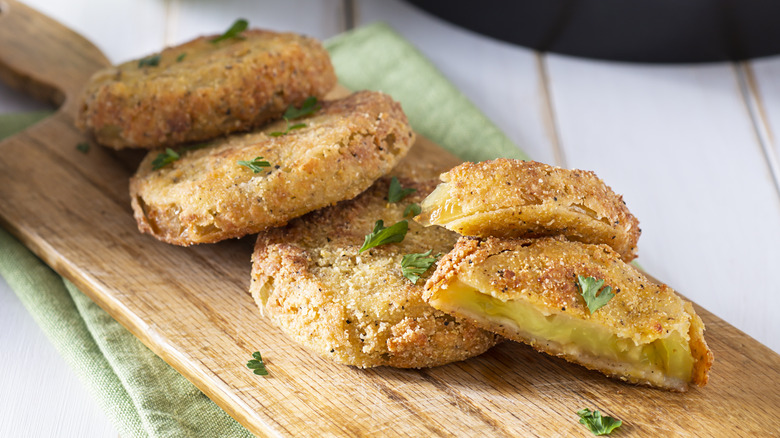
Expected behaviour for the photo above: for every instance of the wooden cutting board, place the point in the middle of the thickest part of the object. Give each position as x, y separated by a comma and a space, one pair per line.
190, 305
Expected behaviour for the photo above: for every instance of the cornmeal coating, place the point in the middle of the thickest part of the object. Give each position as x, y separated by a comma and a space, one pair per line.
527, 290
207, 195
358, 309
514, 198
200, 90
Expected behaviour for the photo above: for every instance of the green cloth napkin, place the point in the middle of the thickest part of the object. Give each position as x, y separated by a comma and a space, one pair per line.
142, 394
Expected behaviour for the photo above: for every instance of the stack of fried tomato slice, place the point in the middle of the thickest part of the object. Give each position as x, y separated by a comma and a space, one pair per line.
544, 262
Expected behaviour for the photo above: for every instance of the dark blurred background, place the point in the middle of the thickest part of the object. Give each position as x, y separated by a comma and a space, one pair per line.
669, 31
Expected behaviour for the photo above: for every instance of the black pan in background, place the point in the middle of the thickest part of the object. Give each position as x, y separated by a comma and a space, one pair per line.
625, 30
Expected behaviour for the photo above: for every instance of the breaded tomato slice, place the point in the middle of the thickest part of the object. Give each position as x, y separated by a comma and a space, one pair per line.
203, 89
514, 198
529, 290
357, 308
247, 183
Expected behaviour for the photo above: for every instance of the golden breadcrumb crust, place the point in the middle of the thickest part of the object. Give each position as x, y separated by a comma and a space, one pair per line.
543, 273
201, 90
358, 309
207, 196
514, 198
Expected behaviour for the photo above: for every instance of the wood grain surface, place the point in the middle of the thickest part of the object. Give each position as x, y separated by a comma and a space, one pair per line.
190, 305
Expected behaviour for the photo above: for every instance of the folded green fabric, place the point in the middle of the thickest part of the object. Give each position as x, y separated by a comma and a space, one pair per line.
142, 394
12, 123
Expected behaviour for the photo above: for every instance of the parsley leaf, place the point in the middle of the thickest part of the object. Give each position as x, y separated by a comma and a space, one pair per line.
234, 31
256, 165
308, 107
590, 287
381, 235
296, 126
396, 193
597, 424
149, 61
165, 158
289, 128
413, 209
257, 365
169, 156
83, 147
181, 56
415, 265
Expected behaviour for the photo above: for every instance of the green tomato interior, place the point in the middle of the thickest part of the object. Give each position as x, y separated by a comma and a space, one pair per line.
670, 356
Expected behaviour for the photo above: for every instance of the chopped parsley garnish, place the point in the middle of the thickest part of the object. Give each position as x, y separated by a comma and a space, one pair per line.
289, 128
169, 156
235, 30
165, 158
396, 193
257, 365
596, 423
412, 209
181, 56
589, 287
309, 106
415, 265
256, 165
381, 235
149, 61
83, 147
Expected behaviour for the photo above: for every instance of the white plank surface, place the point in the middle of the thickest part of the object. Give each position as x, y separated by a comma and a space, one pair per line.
764, 86
41, 395
122, 29
319, 19
678, 141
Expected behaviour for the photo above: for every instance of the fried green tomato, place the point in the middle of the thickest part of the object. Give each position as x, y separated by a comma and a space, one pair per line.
247, 183
529, 290
357, 308
513, 198
203, 89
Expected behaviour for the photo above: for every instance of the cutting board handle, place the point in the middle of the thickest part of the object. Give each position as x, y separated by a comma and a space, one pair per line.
43, 58
47, 60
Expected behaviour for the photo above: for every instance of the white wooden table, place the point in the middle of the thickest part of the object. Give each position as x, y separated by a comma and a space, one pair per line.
691, 147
